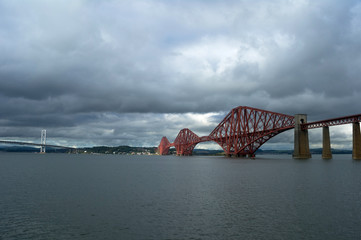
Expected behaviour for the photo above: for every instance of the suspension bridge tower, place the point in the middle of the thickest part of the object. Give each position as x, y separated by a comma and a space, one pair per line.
43, 141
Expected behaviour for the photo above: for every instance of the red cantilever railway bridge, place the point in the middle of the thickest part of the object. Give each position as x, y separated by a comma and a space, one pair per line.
244, 130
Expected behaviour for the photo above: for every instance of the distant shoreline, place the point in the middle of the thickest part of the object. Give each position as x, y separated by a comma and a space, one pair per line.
152, 150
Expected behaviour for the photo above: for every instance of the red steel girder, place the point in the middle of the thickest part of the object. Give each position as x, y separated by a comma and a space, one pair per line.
185, 142
163, 148
241, 132
245, 129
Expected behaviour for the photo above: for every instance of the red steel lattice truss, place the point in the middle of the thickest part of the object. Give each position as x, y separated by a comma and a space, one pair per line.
186, 141
164, 146
245, 129
242, 132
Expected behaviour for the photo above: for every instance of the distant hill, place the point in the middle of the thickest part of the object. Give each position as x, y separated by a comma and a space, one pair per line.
119, 150
207, 152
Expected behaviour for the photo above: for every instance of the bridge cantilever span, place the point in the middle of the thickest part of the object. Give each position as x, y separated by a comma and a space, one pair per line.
241, 132
245, 129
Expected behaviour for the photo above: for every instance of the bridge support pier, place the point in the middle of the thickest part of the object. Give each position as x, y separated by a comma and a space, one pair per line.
356, 141
326, 143
301, 144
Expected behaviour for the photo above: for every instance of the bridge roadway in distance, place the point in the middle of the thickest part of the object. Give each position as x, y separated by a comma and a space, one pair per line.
35, 144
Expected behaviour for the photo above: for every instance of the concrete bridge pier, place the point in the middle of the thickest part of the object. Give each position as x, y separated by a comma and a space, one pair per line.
301, 144
356, 141
326, 143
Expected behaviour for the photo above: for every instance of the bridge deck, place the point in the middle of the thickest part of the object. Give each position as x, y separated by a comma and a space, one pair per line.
332, 122
35, 144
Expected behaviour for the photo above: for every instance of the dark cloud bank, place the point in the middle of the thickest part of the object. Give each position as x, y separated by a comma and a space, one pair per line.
129, 72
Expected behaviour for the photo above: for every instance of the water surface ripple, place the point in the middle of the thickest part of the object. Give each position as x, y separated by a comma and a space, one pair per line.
61, 196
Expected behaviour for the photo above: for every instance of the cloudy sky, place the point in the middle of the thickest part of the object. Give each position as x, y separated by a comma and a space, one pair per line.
127, 72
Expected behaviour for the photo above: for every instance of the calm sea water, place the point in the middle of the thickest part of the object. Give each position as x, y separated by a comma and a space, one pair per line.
61, 196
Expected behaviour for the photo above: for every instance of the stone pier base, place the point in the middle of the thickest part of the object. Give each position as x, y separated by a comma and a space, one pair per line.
326, 143
301, 145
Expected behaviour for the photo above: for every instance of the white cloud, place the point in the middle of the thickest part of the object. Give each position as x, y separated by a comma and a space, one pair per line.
133, 71
204, 59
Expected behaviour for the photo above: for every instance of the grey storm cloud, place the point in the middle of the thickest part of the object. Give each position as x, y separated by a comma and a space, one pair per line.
129, 72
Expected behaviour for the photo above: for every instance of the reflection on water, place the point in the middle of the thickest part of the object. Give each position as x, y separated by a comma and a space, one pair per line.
60, 196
